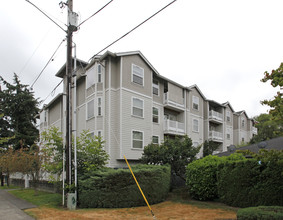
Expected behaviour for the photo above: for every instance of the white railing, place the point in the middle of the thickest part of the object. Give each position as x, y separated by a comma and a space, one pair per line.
215, 115
168, 101
174, 126
215, 135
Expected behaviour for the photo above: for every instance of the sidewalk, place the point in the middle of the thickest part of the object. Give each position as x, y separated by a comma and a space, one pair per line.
11, 207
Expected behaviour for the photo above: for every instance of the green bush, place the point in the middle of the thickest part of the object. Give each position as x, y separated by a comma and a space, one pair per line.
109, 188
261, 213
252, 182
201, 176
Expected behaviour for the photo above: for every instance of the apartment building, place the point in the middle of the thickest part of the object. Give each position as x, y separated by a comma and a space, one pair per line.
123, 98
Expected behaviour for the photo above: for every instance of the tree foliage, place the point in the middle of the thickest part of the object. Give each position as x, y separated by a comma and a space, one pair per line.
267, 128
178, 152
90, 153
19, 109
209, 147
276, 104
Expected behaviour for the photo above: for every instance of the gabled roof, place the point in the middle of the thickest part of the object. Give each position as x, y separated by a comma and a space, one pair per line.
212, 102
228, 104
120, 54
197, 88
62, 70
57, 97
241, 112
272, 144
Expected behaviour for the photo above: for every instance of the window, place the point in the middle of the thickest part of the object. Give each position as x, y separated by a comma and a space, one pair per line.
155, 87
90, 77
90, 109
99, 73
155, 114
243, 122
228, 136
195, 102
228, 133
137, 138
243, 140
137, 74
228, 115
137, 107
155, 139
195, 125
98, 106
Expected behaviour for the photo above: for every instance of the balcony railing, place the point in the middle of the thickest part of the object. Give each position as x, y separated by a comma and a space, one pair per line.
215, 115
174, 127
216, 136
173, 104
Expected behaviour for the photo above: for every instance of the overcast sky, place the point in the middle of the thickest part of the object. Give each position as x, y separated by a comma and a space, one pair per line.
223, 46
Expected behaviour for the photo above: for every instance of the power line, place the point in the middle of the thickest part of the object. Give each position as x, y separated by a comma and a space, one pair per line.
46, 15
95, 13
51, 59
133, 29
53, 90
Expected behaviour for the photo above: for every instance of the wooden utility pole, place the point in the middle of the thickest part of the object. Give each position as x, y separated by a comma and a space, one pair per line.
68, 148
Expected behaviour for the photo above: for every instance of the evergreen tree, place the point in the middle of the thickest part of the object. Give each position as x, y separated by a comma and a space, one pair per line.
19, 109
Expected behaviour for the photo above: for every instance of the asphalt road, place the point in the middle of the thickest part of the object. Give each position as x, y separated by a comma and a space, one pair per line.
11, 207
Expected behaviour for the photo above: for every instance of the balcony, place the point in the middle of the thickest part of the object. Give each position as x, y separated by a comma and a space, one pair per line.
169, 103
174, 127
216, 117
216, 136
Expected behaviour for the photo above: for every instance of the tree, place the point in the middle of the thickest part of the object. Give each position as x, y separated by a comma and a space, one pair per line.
276, 104
177, 152
20, 108
209, 147
90, 153
267, 128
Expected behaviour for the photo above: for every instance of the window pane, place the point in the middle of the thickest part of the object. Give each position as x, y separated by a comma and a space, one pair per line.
137, 144
90, 109
137, 135
138, 112
195, 125
138, 71
138, 103
155, 139
90, 77
99, 68
137, 79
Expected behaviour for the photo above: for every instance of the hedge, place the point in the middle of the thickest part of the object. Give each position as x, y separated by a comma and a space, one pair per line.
201, 176
261, 213
251, 183
110, 188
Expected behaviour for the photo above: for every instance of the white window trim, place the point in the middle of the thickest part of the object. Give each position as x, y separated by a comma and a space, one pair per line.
155, 86
228, 114
133, 107
92, 69
99, 73
132, 75
87, 109
157, 115
99, 106
193, 102
193, 125
157, 137
132, 147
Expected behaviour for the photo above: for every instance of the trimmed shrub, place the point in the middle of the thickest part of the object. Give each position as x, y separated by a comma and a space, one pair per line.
201, 176
252, 182
109, 188
261, 213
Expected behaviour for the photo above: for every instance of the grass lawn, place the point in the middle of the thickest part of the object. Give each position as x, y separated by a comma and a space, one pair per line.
39, 198
178, 206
